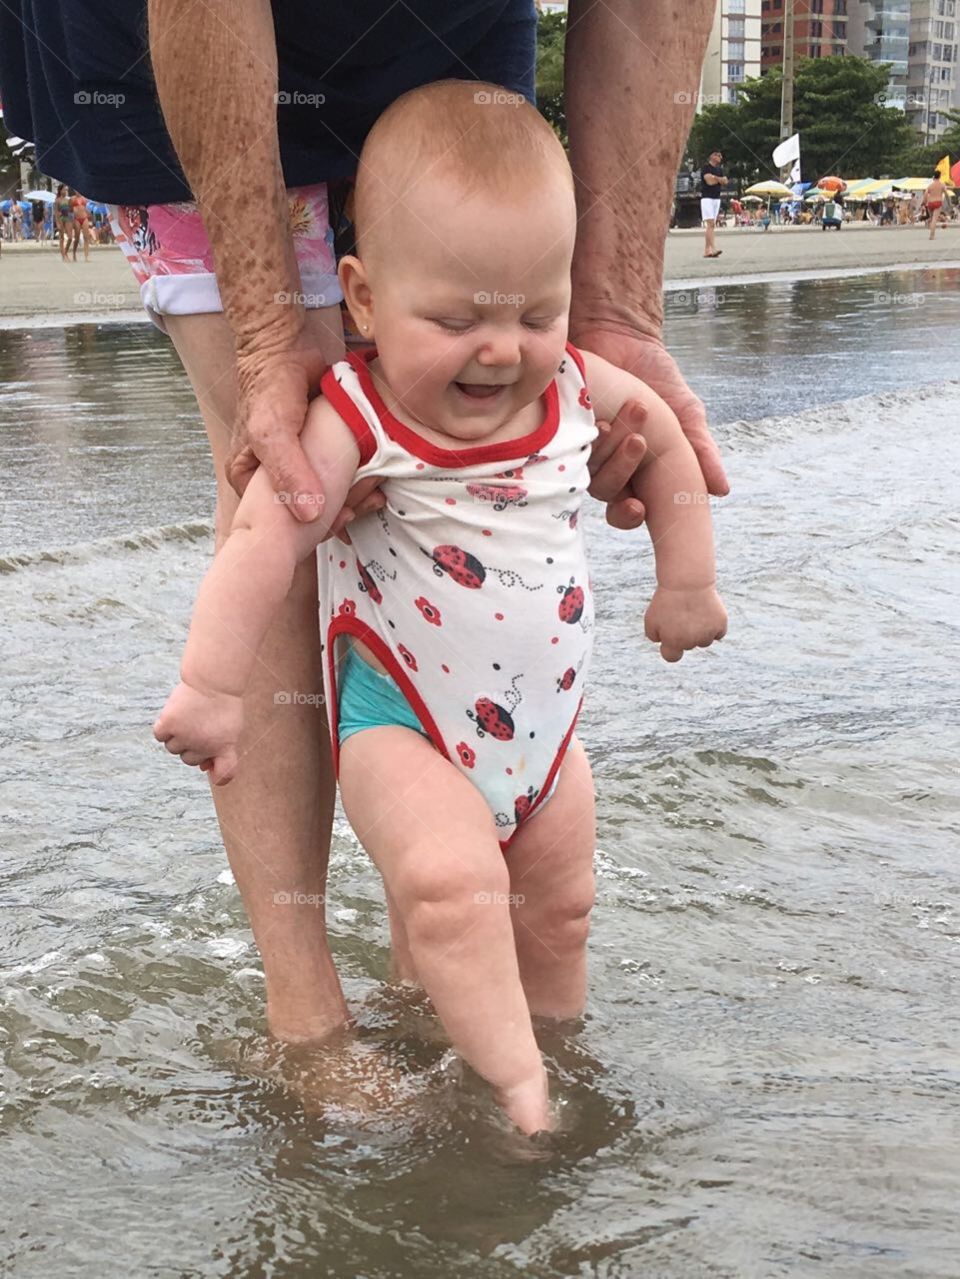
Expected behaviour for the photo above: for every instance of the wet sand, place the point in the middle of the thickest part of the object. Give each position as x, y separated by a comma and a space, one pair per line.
34, 282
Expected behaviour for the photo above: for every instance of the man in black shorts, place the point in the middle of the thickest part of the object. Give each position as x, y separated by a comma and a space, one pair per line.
259, 109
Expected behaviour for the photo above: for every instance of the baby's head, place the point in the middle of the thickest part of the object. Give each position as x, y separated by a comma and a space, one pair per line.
466, 221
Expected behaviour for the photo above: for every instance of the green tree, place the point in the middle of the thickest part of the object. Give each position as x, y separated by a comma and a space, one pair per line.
920, 160
839, 110
551, 35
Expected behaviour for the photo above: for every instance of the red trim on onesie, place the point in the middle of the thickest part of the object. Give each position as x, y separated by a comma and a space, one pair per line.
354, 626
451, 459
351, 415
359, 629
548, 781
578, 361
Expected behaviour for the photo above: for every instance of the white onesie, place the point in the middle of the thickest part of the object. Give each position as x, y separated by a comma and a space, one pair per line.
471, 585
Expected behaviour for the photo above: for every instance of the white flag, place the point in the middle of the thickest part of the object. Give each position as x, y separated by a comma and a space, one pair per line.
795, 172
787, 151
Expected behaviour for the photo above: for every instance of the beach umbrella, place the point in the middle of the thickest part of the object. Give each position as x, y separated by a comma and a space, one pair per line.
817, 197
912, 184
854, 186
769, 188
46, 196
872, 190
832, 183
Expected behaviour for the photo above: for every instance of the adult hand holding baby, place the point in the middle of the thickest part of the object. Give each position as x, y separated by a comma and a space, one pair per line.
276, 382
620, 448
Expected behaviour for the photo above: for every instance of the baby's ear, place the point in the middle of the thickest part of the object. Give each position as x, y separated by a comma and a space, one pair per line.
356, 289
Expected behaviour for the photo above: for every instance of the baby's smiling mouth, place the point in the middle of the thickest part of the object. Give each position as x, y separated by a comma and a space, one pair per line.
479, 390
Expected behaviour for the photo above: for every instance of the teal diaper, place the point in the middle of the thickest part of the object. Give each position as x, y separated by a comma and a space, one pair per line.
367, 699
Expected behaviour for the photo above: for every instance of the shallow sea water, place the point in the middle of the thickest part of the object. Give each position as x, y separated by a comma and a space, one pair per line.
767, 1082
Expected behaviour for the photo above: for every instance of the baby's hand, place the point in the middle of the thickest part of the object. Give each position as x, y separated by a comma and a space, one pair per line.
679, 620
203, 729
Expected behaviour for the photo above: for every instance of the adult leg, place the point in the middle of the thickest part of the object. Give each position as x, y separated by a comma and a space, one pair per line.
276, 816
708, 248
552, 887
433, 839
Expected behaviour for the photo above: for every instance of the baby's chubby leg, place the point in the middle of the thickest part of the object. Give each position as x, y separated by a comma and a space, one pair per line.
433, 840
551, 881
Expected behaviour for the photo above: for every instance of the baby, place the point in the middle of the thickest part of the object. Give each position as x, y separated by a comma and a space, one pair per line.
457, 628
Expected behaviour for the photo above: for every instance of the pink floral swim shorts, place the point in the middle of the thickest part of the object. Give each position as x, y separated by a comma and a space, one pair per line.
168, 250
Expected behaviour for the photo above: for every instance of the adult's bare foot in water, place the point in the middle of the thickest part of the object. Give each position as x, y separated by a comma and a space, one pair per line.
343, 1075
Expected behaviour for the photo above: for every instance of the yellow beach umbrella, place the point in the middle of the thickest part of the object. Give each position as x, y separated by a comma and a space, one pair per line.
872, 190
854, 187
912, 184
768, 188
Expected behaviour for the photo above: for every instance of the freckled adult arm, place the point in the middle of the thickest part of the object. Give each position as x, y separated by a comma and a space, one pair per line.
635, 63
215, 66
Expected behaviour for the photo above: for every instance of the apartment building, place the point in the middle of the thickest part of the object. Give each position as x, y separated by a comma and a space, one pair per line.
733, 50
880, 30
819, 30
932, 80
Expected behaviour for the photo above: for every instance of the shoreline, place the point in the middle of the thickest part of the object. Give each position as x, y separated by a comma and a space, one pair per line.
39, 291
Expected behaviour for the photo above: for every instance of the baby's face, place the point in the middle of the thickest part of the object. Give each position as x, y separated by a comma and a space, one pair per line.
470, 308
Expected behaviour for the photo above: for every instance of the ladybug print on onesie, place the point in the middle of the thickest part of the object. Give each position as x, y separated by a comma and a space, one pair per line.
367, 583
570, 608
466, 570
499, 495
494, 719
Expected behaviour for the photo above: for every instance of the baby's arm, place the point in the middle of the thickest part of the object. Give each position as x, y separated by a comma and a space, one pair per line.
686, 611
240, 596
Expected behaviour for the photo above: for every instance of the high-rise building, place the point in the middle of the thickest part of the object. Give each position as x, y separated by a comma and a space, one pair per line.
880, 30
819, 30
733, 50
932, 80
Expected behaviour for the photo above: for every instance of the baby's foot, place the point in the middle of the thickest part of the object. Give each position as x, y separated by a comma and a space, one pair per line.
527, 1105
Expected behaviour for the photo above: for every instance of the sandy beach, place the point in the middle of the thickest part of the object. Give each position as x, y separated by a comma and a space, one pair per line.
35, 283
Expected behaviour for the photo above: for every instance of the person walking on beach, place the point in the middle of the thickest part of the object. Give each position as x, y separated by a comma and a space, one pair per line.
712, 182
933, 199
63, 218
234, 96
38, 212
81, 226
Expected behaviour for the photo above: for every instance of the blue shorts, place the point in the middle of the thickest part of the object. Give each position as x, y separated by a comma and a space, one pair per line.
367, 699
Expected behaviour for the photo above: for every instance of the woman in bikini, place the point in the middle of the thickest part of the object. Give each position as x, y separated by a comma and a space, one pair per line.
81, 226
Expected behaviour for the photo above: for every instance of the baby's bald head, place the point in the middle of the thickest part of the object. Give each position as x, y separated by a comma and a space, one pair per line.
463, 136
